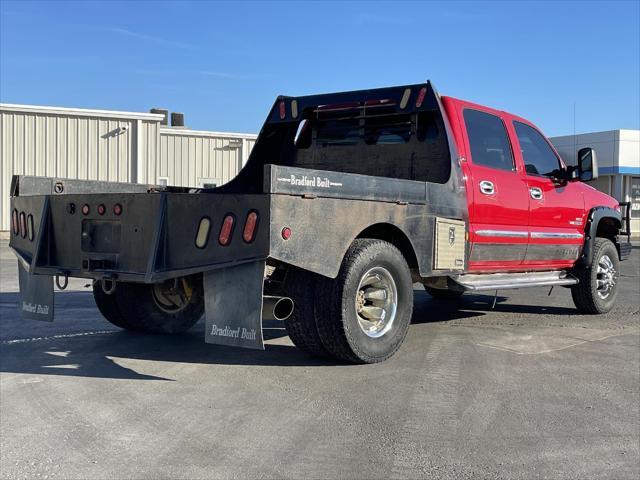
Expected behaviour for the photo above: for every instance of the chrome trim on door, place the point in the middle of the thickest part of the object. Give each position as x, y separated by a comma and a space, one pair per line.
536, 193
502, 233
487, 187
565, 235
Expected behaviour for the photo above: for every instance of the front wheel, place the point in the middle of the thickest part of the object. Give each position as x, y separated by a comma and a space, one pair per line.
363, 314
597, 289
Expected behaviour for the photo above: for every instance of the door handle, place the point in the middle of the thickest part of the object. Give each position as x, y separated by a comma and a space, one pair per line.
487, 187
536, 193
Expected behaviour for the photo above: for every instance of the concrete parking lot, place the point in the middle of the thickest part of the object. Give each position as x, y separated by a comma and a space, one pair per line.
530, 389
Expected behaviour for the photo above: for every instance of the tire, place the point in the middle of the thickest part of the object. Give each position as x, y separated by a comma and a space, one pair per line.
341, 304
301, 325
108, 307
148, 307
587, 296
443, 294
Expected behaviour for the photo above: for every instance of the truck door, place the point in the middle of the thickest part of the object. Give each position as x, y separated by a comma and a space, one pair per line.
497, 192
556, 213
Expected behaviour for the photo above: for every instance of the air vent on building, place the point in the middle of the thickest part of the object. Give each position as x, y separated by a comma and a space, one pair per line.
162, 111
177, 119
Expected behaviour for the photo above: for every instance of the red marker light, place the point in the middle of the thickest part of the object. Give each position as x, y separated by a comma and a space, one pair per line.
14, 222
101, 209
282, 110
85, 209
421, 95
23, 225
286, 233
226, 231
117, 209
248, 234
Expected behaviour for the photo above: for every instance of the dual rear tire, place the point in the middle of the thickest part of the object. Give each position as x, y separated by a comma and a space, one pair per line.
362, 315
170, 307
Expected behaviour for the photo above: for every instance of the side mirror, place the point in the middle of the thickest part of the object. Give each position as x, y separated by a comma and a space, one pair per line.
587, 164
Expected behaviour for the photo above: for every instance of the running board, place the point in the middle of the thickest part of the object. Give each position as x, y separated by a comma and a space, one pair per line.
505, 281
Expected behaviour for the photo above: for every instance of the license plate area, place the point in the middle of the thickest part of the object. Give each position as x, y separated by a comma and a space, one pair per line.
101, 236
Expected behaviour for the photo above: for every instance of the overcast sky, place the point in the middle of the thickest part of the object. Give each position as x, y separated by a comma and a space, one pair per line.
223, 64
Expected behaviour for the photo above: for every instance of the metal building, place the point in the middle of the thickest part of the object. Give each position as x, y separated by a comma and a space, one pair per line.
113, 146
618, 153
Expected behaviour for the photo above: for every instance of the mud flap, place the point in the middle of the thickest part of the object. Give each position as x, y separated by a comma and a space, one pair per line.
233, 305
36, 295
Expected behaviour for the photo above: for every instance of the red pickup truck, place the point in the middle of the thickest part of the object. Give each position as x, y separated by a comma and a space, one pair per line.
347, 199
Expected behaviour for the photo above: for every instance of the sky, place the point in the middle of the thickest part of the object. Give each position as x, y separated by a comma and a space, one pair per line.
224, 63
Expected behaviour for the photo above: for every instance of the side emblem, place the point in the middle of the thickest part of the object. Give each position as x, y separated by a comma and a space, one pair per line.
452, 235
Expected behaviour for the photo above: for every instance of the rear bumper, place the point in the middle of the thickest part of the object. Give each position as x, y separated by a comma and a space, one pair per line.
152, 239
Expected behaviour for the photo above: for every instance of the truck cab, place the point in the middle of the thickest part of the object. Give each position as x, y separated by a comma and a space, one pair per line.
347, 200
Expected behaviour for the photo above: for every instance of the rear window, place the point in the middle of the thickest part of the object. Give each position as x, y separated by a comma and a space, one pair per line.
376, 139
488, 139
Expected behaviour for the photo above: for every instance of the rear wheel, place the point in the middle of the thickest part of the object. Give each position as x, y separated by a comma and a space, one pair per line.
108, 307
364, 313
301, 324
597, 289
173, 306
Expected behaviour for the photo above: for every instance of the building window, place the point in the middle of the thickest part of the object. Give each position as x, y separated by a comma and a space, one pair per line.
635, 197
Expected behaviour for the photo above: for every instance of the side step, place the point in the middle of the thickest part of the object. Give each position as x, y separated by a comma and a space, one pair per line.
504, 281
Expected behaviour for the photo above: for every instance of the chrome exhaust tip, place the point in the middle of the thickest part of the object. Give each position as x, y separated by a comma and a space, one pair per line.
276, 308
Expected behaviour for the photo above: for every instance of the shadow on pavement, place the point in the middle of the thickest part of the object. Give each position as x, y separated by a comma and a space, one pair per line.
81, 343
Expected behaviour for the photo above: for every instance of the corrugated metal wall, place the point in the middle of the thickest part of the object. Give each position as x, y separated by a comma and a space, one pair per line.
111, 146
192, 158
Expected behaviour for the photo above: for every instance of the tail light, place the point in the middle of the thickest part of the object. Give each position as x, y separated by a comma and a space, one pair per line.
117, 209
14, 222
250, 224
85, 209
227, 230
286, 233
23, 225
30, 232
101, 209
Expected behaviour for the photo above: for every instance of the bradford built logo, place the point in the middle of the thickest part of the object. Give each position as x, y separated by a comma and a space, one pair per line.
242, 333
309, 181
37, 308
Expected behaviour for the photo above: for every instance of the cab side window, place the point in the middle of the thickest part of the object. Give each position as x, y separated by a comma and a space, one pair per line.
488, 140
539, 158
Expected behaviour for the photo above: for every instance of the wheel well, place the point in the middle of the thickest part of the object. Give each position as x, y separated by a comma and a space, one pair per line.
608, 227
395, 236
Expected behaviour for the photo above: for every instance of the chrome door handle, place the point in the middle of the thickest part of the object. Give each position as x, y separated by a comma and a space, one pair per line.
536, 193
487, 187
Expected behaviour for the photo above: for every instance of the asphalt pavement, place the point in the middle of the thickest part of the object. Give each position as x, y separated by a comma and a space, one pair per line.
530, 389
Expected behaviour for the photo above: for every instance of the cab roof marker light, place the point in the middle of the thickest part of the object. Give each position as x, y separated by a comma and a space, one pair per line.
283, 111
294, 108
405, 98
421, 94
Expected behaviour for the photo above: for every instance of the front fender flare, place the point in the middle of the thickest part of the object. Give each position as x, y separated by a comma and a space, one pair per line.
596, 214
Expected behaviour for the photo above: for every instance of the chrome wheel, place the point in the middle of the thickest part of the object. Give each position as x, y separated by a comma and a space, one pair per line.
172, 296
376, 302
606, 277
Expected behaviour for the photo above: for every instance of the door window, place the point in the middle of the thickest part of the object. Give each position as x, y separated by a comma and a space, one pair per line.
539, 158
488, 140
